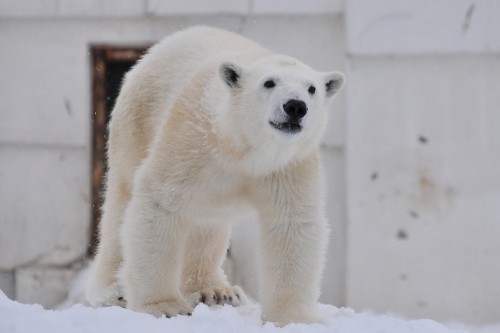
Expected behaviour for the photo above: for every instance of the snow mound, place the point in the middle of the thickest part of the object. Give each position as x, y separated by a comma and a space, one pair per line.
17, 317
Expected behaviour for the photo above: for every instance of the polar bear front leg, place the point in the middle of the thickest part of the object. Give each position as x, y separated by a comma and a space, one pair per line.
153, 240
203, 277
292, 265
293, 241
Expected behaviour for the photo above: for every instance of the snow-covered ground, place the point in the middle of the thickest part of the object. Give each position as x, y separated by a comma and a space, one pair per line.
16, 317
72, 318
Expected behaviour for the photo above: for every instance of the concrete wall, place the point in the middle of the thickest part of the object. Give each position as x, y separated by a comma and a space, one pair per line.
423, 151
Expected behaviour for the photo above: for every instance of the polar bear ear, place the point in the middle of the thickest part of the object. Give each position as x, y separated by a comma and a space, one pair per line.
231, 74
334, 81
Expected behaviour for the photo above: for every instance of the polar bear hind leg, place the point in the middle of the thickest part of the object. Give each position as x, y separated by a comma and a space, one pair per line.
103, 288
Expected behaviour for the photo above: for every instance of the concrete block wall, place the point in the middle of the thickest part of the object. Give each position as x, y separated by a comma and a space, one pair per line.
45, 285
423, 158
8, 284
158, 8
406, 27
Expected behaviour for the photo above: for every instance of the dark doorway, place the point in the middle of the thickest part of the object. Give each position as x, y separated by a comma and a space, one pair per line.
109, 65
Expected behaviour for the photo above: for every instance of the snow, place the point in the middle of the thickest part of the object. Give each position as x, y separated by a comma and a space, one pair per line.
17, 317
72, 317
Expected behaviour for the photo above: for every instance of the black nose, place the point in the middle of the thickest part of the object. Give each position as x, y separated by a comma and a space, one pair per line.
295, 108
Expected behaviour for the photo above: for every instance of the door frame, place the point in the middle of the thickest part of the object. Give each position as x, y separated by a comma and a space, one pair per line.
101, 55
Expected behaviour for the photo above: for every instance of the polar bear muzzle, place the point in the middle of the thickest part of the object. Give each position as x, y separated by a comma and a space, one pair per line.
295, 110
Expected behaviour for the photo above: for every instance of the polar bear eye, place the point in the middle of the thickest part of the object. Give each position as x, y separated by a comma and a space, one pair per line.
312, 90
269, 84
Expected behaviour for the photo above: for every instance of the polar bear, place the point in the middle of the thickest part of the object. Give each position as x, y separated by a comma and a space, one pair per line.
208, 125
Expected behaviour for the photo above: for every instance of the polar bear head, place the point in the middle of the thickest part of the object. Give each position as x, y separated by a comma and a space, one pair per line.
279, 102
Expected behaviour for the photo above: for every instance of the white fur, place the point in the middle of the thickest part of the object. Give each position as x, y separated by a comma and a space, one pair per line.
187, 151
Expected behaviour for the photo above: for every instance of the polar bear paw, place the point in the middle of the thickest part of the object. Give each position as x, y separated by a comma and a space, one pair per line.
285, 317
169, 308
219, 295
108, 296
